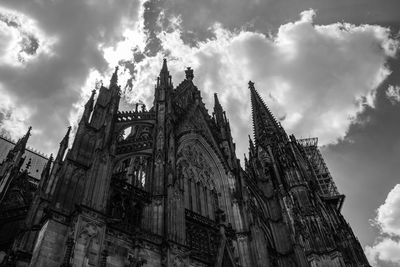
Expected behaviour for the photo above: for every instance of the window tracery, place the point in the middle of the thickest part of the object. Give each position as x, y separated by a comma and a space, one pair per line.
199, 188
133, 170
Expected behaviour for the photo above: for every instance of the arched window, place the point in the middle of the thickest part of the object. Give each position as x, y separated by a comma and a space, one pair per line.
133, 170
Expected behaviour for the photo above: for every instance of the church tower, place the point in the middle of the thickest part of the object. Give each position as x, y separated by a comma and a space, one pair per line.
294, 223
163, 187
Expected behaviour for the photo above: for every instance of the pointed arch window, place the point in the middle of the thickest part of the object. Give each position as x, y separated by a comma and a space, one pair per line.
133, 170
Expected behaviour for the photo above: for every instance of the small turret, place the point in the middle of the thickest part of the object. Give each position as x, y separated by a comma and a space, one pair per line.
264, 123
218, 112
47, 168
63, 146
21, 144
88, 107
164, 81
14, 156
45, 175
189, 74
114, 78
252, 149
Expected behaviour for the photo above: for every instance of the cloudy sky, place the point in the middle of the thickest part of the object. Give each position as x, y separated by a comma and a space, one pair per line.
326, 68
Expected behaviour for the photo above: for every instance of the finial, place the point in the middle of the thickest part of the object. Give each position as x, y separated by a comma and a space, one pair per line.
164, 66
22, 142
251, 85
216, 100
189, 73
68, 131
165, 78
90, 101
66, 137
114, 78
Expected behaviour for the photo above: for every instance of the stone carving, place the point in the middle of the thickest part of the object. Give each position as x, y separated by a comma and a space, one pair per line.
88, 241
194, 165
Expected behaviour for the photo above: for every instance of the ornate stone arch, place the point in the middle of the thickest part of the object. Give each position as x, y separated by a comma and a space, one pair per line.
120, 128
195, 154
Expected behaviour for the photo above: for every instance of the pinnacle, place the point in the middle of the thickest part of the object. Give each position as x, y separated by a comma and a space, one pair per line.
114, 78
21, 144
262, 116
68, 131
66, 137
189, 73
216, 101
164, 66
165, 78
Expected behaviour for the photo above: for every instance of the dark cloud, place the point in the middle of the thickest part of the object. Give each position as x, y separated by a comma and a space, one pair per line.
266, 16
152, 25
50, 83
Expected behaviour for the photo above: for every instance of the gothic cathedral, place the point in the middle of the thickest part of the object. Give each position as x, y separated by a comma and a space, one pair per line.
163, 187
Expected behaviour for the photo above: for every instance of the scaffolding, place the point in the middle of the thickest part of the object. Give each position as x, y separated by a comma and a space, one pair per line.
325, 181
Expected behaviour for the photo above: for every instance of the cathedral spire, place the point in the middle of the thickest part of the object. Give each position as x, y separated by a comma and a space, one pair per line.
63, 146
264, 123
114, 78
89, 107
251, 148
165, 78
218, 111
45, 175
47, 168
21, 144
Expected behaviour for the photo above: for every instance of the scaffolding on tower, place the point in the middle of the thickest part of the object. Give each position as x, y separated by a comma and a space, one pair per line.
326, 184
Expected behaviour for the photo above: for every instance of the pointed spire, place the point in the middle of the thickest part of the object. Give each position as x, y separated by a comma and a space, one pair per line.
251, 144
89, 107
252, 149
63, 146
218, 111
47, 167
216, 101
165, 78
21, 144
263, 121
164, 66
114, 78
45, 173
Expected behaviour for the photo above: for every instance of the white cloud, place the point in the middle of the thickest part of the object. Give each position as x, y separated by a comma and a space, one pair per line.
387, 246
21, 40
393, 94
388, 216
47, 52
14, 119
387, 250
315, 76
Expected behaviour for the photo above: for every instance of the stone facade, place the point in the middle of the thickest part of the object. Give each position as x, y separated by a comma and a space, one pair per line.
163, 187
